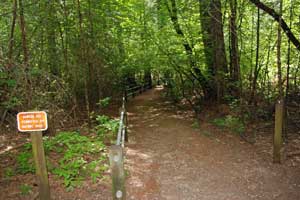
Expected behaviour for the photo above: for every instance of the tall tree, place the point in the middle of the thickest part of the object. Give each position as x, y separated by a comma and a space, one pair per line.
24, 34
257, 67
83, 62
214, 45
289, 56
234, 50
51, 26
279, 70
12, 32
208, 90
26, 80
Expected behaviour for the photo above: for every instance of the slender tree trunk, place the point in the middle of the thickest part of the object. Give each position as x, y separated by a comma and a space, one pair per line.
286, 100
94, 95
53, 58
234, 54
279, 71
12, 31
289, 57
251, 51
65, 37
23, 34
257, 67
266, 79
25, 54
83, 63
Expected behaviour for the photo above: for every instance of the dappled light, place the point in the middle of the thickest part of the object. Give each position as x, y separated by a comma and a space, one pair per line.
150, 100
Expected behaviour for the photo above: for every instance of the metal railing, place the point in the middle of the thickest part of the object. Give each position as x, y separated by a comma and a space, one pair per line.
116, 152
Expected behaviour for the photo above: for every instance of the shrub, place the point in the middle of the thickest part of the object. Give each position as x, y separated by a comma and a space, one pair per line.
231, 122
106, 126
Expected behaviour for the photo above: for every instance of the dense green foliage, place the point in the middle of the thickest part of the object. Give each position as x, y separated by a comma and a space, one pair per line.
65, 54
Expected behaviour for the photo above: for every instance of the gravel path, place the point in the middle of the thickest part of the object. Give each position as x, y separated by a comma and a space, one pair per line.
168, 159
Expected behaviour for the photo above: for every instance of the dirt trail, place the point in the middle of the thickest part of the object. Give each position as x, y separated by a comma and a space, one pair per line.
167, 158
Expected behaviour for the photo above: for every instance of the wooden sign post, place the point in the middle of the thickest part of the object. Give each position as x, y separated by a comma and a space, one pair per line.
35, 123
277, 143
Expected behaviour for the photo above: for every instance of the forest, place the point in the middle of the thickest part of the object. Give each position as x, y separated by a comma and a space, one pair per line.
75, 59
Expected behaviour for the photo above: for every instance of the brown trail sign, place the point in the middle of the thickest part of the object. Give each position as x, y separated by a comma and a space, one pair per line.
35, 123
32, 121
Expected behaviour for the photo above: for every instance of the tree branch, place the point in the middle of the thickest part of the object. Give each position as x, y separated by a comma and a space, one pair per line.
276, 17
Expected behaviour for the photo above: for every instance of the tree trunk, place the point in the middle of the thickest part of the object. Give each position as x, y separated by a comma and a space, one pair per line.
53, 61
288, 58
26, 56
23, 34
257, 67
279, 72
251, 51
234, 53
214, 46
84, 63
266, 80
12, 31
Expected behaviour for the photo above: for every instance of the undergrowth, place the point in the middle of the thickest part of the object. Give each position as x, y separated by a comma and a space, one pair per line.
232, 123
71, 156
106, 127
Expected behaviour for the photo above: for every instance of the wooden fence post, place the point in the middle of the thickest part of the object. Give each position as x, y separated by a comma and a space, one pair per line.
40, 165
117, 172
277, 143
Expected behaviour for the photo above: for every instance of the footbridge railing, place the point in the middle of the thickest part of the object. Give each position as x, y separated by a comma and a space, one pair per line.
116, 151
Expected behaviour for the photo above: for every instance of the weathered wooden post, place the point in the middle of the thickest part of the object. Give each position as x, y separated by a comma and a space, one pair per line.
277, 143
35, 123
40, 165
117, 172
